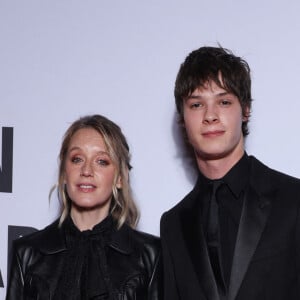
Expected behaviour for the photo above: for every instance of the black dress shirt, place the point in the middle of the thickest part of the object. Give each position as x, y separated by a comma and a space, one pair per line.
230, 198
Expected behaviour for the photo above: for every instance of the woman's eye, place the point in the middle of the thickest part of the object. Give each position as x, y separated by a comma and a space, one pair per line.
103, 162
76, 160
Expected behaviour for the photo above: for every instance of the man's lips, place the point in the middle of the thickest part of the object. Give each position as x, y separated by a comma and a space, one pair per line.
213, 133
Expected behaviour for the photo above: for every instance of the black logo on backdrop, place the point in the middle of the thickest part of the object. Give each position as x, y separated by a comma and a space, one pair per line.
6, 167
6, 179
1, 281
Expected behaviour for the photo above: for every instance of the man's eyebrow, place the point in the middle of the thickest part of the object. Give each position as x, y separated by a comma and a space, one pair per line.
221, 94
193, 97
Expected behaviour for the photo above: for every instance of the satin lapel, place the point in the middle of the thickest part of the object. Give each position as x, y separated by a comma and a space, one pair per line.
205, 272
196, 245
255, 213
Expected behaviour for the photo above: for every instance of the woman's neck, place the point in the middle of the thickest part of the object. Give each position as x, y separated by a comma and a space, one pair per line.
87, 219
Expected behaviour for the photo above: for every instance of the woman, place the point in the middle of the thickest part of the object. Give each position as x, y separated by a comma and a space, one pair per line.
92, 251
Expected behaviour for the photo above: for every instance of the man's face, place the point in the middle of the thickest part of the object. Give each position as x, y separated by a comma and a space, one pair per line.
213, 122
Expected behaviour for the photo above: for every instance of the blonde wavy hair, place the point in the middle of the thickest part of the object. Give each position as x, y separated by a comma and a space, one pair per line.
122, 208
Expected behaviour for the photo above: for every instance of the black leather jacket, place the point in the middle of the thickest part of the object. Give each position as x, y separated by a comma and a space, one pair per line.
134, 265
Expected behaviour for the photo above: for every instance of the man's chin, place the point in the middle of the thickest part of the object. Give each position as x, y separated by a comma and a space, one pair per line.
213, 155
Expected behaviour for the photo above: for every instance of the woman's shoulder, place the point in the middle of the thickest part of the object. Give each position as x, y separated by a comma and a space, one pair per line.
128, 239
146, 239
41, 239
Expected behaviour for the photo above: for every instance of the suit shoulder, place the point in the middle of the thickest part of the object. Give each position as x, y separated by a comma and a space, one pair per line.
276, 175
183, 204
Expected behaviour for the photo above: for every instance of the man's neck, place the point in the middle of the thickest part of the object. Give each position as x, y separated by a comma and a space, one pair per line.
218, 168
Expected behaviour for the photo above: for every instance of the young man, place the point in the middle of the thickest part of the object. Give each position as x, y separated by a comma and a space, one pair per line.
236, 235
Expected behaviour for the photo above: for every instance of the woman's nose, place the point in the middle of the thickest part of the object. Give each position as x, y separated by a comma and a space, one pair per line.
86, 170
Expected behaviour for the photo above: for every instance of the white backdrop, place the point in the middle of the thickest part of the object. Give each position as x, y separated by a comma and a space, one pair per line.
61, 59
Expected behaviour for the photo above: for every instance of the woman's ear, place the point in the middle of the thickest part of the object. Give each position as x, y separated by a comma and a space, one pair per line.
119, 183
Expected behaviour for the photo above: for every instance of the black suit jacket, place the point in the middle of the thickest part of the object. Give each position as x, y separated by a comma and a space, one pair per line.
266, 264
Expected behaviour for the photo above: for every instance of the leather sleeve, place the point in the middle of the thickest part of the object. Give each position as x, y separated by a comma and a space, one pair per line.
16, 279
155, 290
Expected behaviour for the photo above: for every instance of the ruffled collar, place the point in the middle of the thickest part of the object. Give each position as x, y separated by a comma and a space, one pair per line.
84, 275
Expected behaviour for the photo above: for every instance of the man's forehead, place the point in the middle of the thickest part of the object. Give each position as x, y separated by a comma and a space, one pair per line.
210, 85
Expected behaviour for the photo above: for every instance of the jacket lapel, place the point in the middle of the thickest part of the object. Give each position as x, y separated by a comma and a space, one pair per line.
197, 248
254, 216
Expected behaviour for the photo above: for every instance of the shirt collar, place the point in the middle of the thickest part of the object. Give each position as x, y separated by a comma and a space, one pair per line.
236, 178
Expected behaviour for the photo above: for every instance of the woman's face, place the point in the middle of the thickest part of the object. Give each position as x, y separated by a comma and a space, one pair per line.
89, 171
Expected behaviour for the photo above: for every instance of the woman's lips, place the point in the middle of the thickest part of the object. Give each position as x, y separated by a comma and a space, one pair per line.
84, 187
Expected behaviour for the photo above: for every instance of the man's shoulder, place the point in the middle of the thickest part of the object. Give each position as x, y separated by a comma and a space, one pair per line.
273, 183
261, 172
185, 204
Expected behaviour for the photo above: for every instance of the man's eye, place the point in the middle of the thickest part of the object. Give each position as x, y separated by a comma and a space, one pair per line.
196, 105
225, 102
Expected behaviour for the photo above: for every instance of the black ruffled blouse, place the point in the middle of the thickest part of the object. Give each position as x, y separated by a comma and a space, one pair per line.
85, 275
